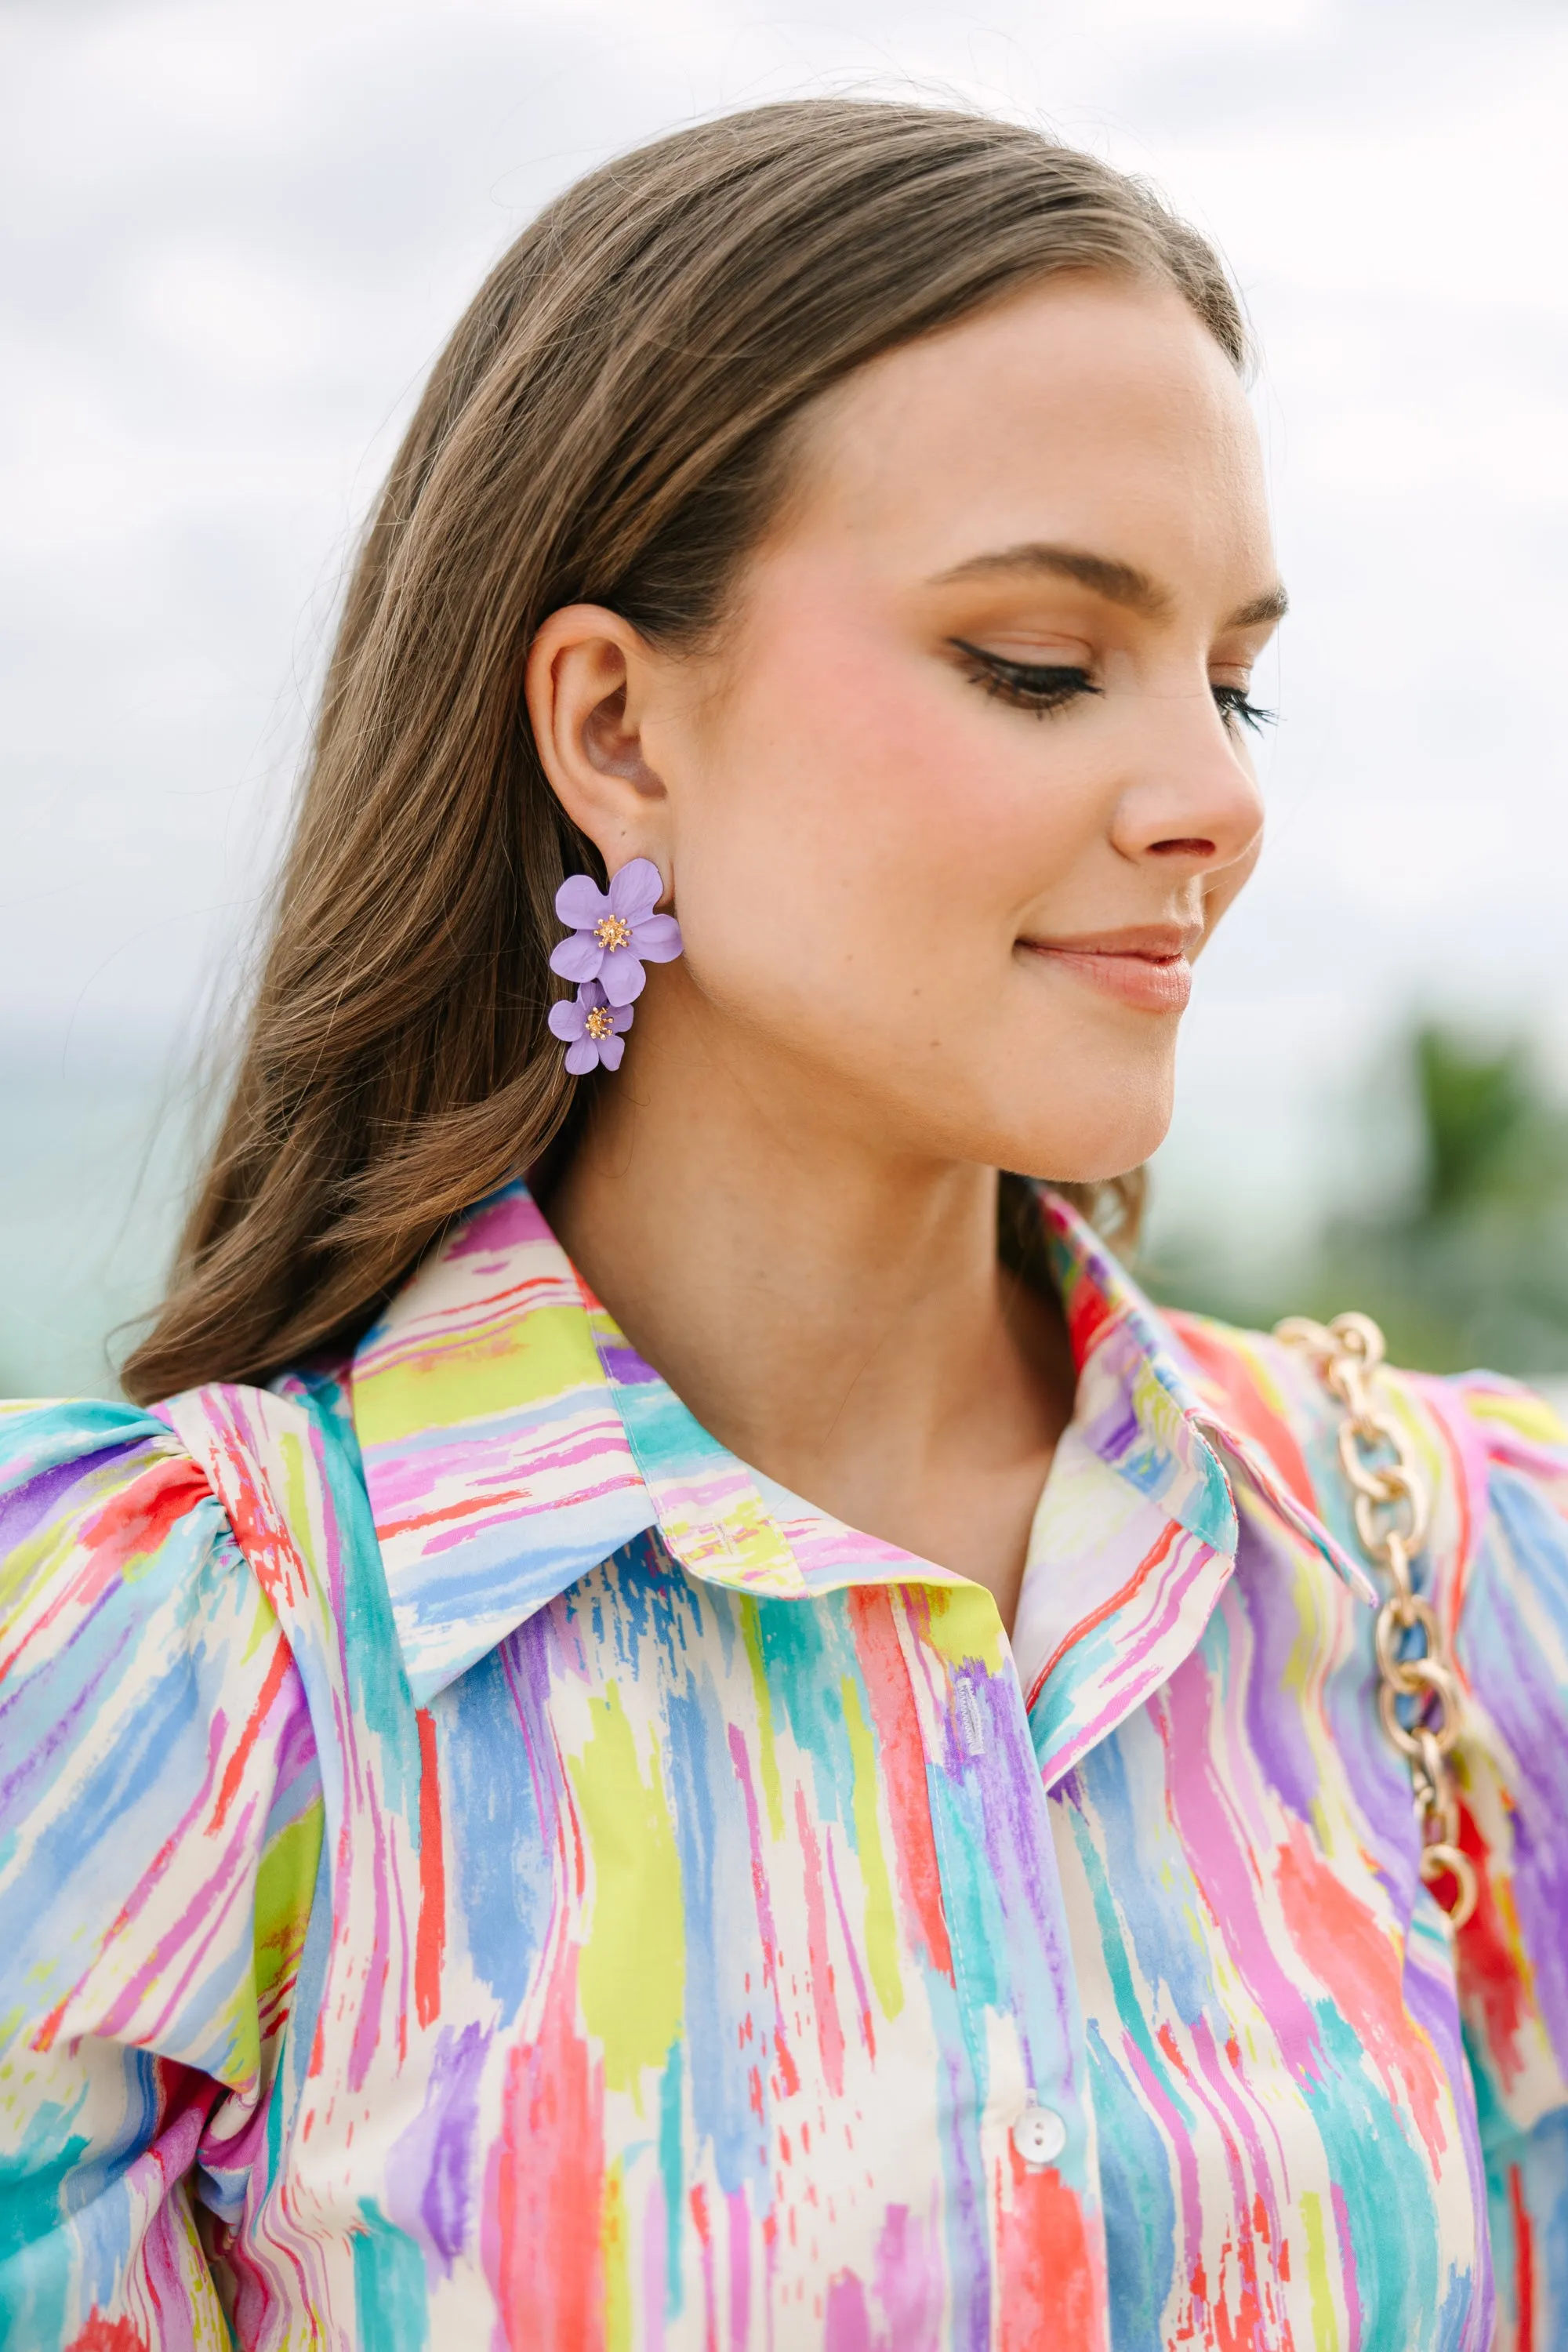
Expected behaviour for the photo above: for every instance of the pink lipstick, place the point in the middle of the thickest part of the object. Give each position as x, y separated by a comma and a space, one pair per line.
1145, 966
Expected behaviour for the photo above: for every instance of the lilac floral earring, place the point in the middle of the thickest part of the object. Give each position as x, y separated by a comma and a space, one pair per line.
614, 934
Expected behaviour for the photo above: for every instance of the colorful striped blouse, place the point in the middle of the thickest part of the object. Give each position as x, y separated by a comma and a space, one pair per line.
481, 1866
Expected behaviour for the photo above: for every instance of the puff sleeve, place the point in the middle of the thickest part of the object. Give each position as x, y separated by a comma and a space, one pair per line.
1509, 1615
160, 1845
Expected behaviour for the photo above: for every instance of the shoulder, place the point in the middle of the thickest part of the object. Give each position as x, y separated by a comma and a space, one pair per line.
1518, 1428
1274, 1385
1510, 1450
96, 1499
1269, 1394
1252, 1371
1502, 1451
108, 1500
1494, 1452
148, 1703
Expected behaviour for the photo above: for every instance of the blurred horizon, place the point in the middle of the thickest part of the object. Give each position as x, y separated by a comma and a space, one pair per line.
1449, 1223
237, 238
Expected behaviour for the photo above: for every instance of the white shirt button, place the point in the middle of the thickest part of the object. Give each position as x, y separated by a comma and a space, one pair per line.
1039, 2134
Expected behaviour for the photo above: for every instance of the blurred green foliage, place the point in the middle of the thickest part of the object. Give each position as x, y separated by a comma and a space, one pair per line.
1465, 1261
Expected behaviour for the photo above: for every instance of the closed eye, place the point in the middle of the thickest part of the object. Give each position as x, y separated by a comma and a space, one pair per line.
1039, 686
1042, 687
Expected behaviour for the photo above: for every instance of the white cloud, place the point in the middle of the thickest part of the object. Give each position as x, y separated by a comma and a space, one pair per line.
238, 318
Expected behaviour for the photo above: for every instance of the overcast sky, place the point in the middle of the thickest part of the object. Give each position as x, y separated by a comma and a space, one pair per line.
237, 232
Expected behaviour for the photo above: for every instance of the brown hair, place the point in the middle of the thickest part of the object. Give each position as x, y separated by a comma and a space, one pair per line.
608, 425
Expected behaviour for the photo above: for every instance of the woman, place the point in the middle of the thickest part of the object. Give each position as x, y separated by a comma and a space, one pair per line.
694, 1727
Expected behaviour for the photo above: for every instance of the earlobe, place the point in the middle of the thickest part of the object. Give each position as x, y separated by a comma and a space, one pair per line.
584, 686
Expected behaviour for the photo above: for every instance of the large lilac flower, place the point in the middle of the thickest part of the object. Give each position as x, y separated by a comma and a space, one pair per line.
595, 1031
614, 936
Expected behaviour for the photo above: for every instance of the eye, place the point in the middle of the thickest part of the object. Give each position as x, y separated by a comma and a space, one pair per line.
1232, 704
1029, 686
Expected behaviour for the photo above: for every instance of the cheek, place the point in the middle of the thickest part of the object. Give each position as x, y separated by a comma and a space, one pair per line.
871, 815
912, 1023
859, 838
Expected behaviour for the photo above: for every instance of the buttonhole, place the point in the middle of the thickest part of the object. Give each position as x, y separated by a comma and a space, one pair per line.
970, 1723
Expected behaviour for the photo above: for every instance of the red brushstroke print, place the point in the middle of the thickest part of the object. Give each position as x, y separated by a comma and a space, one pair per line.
139, 1519
1344, 1945
431, 1938
901, 1753
1051, 2270
1089, 1313
234, 1772
1490, 1967
824, 1988
102, 2335
1523, 2265
548, 2181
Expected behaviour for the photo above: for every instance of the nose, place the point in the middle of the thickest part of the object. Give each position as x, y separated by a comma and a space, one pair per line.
1192, 805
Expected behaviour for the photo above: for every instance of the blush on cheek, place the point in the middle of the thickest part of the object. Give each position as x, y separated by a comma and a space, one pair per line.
864, 725
879, 802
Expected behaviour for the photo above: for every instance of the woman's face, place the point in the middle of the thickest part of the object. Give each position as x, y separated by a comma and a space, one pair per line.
967, 780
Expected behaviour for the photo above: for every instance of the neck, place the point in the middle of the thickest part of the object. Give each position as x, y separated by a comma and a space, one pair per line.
835, 1314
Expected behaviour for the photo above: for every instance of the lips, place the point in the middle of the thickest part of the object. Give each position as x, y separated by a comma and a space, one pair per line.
1146, 968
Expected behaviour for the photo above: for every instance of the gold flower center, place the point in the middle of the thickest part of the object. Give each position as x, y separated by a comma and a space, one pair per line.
599, 1023
613, 931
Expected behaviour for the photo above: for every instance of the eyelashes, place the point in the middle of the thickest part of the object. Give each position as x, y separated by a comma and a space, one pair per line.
1042, 687
1233, 703
1027, 685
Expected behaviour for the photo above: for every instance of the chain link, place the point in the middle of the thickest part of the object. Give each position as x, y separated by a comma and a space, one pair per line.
1418, 1697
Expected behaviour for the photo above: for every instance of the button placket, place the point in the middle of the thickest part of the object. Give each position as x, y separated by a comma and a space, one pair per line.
965, 1737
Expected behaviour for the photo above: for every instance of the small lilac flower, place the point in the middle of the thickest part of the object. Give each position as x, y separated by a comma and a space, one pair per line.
595, 1031
614, 936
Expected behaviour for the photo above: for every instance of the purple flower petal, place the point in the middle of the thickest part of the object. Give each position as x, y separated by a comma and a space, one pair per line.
635, 889
582, 1056
581, 902
656, 939
590, 994
578, 958
567, 1018
621, 976
621, 1018
610, 1052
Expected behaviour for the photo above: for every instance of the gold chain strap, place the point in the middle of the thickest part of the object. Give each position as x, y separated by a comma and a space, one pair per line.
1392, 1513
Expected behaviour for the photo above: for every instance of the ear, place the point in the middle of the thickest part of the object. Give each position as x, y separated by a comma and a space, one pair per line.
587, 684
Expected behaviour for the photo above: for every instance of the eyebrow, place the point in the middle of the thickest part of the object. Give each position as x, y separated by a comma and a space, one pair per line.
1118, 583
1272, 605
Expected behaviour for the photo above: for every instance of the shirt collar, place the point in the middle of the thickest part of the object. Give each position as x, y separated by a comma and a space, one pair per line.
1137, 1531
513, 1441
1141, 1410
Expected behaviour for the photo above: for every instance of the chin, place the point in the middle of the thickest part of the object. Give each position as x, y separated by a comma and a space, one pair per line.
1091, 1149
